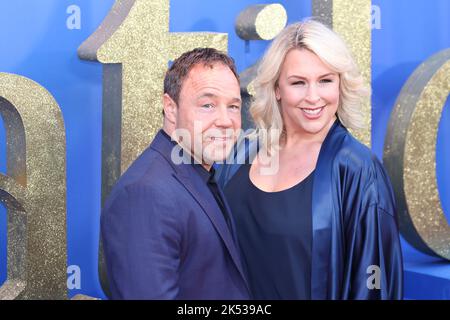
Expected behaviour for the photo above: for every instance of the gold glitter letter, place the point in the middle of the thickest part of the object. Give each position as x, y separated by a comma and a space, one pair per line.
134, 45
261, 21
352, 20
33, 191
257, 22
410, 155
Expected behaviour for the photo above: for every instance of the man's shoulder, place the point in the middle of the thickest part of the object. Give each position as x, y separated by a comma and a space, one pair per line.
150, 173
150, 164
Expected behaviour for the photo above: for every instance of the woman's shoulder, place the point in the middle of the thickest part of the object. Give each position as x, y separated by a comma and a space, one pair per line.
356, 167
356, 156
362, 168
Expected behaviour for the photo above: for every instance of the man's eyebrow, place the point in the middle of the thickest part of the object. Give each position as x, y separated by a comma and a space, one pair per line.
235, 99
212, 95
207, 95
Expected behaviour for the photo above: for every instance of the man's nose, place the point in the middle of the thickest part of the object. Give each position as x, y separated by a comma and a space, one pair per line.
223, 118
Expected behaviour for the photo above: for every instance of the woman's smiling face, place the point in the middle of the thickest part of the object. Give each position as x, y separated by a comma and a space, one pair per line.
308, 92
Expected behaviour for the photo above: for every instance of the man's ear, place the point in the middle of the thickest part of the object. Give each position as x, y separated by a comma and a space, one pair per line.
170, 109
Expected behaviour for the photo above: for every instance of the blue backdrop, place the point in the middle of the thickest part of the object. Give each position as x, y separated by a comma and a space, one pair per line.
38, 43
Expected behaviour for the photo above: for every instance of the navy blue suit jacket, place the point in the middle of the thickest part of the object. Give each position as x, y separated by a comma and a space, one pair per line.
164, 235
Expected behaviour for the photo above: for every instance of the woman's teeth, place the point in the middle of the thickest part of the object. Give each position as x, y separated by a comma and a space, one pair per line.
313, 111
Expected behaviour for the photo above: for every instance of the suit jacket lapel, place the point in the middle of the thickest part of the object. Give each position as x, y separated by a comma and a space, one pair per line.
205, 199
187, 176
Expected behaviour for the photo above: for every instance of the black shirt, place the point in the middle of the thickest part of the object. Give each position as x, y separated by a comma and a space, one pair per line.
208, 178
274, 230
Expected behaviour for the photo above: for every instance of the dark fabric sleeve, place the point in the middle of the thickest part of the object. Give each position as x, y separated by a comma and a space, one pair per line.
141, 244
377, 270
374, 256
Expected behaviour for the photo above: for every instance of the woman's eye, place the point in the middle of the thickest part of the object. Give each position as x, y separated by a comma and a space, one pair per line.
326, 81
234, 107
207, 106
296, 83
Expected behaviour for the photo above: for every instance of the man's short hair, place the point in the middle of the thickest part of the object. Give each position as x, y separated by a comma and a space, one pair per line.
182, 65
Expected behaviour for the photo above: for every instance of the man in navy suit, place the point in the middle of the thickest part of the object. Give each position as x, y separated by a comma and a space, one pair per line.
167, 230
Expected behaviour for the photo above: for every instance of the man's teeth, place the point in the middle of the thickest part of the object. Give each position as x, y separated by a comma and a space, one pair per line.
219, 138
313, 111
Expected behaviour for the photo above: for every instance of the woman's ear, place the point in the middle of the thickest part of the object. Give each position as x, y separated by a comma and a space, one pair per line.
277, 93
170, 109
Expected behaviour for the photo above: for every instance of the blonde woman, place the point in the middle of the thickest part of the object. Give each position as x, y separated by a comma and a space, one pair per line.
321, 223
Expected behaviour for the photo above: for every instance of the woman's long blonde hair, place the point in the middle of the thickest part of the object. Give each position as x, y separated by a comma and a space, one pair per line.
332, 50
